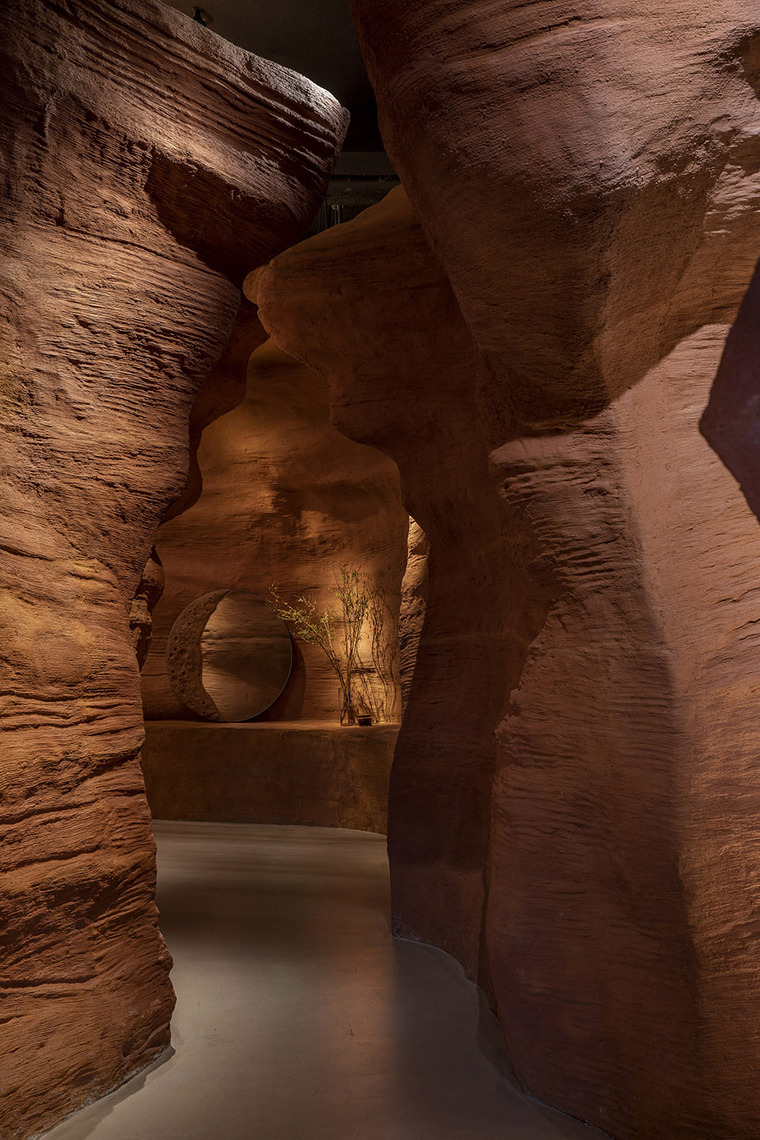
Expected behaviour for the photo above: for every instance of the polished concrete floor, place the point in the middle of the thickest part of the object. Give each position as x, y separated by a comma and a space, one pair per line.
298, 1017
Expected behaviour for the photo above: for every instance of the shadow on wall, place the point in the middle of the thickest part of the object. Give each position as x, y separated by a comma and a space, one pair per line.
731, 420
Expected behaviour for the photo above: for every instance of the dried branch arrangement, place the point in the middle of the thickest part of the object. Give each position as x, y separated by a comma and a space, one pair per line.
348, 636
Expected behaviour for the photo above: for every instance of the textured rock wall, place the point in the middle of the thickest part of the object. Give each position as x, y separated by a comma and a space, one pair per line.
148, 591
587, 175
128, 136
286, 498
592, 599
577, 169
413, 604
367, 304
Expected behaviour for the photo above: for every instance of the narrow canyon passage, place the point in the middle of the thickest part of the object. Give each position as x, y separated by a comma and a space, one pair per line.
298, 1017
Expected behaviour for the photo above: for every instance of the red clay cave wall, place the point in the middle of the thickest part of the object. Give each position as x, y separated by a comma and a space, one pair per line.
532, 336
145, 166
368, 305
574, 797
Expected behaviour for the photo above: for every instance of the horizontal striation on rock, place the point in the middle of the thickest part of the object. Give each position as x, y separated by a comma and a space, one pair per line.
588, 177
367, 305
623, 876
144, 166
571, 161
413, 603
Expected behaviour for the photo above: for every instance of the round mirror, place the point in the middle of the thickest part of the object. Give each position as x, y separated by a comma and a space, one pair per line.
229, 656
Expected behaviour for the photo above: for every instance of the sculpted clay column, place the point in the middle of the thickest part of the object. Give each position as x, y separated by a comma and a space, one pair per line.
367, 304
586, 174
145, 164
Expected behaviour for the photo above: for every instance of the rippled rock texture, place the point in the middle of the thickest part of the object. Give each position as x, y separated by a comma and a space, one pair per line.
145, 165
368, 306
574, 800
587, 175
413, 603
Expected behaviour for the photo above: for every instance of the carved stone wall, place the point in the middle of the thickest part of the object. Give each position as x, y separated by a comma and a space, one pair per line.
588, 176
574, 799
367, 304
413, 603
144, 165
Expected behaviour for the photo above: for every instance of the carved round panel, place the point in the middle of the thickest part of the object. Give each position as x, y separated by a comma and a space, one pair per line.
229, 656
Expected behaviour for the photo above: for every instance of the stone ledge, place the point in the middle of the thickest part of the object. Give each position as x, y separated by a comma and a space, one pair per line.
297, 772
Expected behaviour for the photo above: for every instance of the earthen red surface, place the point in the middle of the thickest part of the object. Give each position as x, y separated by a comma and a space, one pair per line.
587, 175
299, 772
573, 794
333, 301
145, 164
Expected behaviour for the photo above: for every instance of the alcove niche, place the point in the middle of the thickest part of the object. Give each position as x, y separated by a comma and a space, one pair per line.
281, 503
128, 134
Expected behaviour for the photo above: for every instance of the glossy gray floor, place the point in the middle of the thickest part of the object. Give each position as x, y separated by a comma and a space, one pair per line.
298, 1017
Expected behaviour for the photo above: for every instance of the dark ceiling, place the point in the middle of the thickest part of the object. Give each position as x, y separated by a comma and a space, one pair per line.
315, 37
